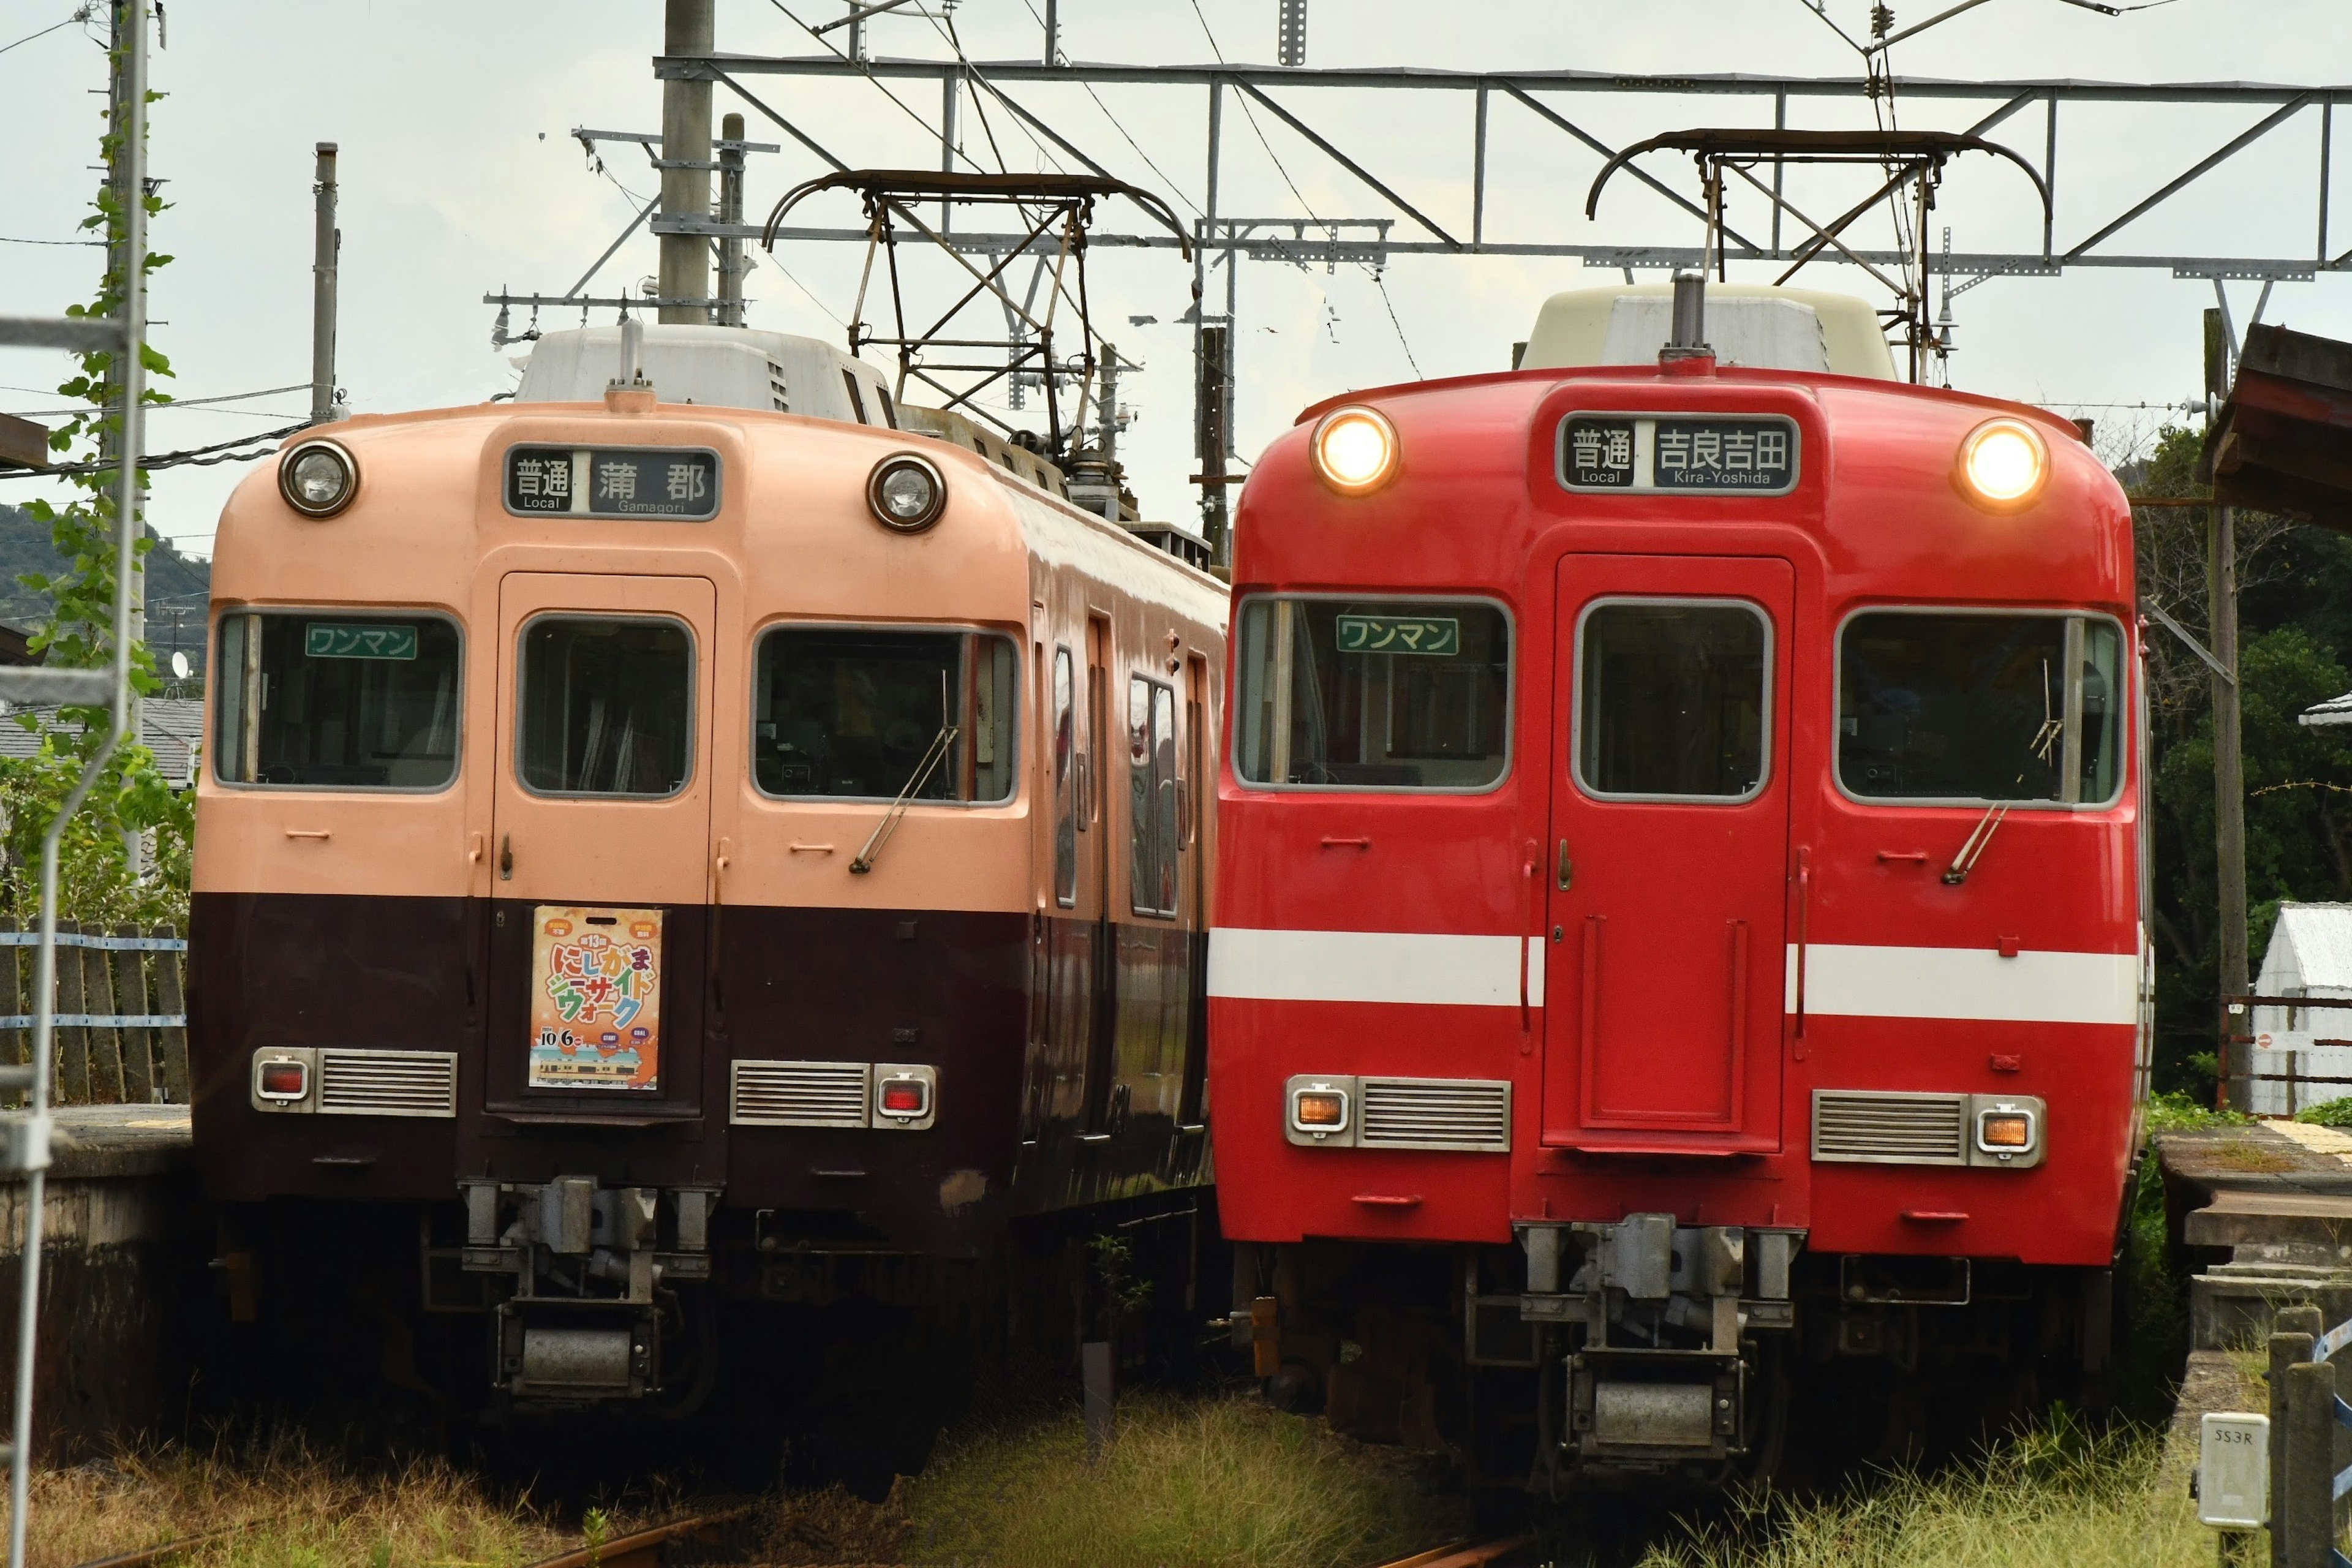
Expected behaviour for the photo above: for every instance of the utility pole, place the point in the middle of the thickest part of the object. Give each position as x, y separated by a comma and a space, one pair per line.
124, 119
1210, 397
730, 210
326, 252
2228, 772
685, 274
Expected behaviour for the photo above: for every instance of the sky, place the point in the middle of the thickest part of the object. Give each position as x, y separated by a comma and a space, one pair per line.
459, 176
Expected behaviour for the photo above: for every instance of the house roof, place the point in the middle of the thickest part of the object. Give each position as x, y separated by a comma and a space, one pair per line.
2310, 951
170, 727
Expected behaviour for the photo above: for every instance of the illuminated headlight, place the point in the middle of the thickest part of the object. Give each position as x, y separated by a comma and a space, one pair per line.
2007, 1131
1319, 1109
1355, 451
906, 493
282, 1079
318, 477
906, 1096
2003, 464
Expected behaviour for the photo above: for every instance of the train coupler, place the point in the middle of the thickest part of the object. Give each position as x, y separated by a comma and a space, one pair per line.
1655, 1321
584, 1266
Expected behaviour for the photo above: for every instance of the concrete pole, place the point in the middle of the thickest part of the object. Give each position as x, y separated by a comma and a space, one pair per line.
688, 29
126, 262
730, 210
2229, 771
326, 248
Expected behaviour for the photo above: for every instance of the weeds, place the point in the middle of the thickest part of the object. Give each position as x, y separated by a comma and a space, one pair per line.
2062, 1496
1215, 1482
277, 1504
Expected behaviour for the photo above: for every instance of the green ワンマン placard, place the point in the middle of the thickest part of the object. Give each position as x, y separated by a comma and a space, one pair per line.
1436, 634
358, 639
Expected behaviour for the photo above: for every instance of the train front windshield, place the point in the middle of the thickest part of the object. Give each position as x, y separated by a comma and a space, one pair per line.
1960, 707
855, 714
337, 701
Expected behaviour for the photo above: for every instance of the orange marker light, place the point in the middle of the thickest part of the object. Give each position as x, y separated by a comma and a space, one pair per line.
2005, 1130
1324, 1108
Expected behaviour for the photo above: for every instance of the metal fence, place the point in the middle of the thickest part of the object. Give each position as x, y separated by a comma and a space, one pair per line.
2311, 1439
2294, 1057
121, 1017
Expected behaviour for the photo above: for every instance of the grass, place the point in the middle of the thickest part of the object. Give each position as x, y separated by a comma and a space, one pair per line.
2060, 1497
276, 1504
1218, 1482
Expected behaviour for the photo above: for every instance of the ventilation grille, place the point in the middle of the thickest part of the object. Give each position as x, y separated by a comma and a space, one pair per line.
1436, 1113
776, 387
799, 1094
1890, 1128
387, 1083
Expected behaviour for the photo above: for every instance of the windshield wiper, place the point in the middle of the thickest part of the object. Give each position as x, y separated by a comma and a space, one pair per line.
1972, 847
932, 756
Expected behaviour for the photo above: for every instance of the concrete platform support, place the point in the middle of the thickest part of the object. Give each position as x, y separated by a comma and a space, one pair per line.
124, 1285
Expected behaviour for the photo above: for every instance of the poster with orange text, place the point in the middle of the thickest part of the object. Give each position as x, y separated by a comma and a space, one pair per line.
595, 999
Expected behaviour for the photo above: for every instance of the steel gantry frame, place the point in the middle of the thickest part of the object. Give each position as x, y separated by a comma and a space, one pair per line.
1414, 231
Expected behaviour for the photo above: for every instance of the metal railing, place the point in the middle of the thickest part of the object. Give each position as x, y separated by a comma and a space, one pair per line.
24, 1132
2311, 1441
2243, 1052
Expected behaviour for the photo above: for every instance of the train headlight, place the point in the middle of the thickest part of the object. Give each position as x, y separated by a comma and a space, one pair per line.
318, 477
1355, 451
1319, 1109
906, 493
2003, 464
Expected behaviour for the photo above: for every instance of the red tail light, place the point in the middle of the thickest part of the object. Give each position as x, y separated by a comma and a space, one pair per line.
905, 1097
284, 1080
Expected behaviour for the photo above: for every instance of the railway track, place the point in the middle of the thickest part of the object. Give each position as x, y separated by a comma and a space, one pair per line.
1467, 1555
638, 1549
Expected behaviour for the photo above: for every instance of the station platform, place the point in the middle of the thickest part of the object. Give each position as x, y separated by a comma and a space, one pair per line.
2261, 1213
126, 1239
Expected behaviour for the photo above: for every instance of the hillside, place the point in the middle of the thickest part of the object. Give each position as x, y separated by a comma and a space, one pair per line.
177, 585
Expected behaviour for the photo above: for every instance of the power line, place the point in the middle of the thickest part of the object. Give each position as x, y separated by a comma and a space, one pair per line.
178, 402
12, 239
196, 457
1174, 189
44, 33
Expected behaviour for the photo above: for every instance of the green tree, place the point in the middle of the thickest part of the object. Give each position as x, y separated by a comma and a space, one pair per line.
97, 877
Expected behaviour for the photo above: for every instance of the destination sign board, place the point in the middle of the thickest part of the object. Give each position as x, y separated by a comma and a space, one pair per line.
1739, 454
358, 639
1433, 635
668, 482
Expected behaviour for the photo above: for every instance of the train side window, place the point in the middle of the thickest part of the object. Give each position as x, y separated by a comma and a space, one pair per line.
1346, 694
856, 398
889, 409
1066, 757
1956, 708
1674, 699
606, 706
337, 700
1151, 796
860, 713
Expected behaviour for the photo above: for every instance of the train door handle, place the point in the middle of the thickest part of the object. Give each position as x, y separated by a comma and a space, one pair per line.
505, 858
1567, 868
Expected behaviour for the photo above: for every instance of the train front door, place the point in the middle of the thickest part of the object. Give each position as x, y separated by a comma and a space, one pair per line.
600, 851
1668, 855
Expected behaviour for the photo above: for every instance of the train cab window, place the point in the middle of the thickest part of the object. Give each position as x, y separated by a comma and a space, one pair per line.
889, 409
1673, 700
856, 397
1152, 818
1401, 694
607, 706
1959, 707
337, 701
1066, 784
869, 714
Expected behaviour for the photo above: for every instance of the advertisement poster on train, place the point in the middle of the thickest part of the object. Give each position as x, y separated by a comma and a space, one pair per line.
595, 999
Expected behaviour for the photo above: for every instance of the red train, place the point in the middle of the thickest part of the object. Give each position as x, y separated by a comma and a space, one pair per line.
1678, 948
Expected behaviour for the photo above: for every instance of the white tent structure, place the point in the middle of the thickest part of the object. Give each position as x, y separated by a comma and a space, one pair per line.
2310, 954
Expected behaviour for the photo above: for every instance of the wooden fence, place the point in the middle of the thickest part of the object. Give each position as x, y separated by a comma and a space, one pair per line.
122, 1016
2311, 1438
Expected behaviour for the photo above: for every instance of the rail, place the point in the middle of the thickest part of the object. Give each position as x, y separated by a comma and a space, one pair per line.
642, 1548
1464, 1553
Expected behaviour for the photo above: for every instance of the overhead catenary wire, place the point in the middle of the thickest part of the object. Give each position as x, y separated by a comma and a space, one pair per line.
44, 33
173, 401
1305, 206
195, 456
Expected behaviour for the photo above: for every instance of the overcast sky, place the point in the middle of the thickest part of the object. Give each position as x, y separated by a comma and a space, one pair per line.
459, 176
